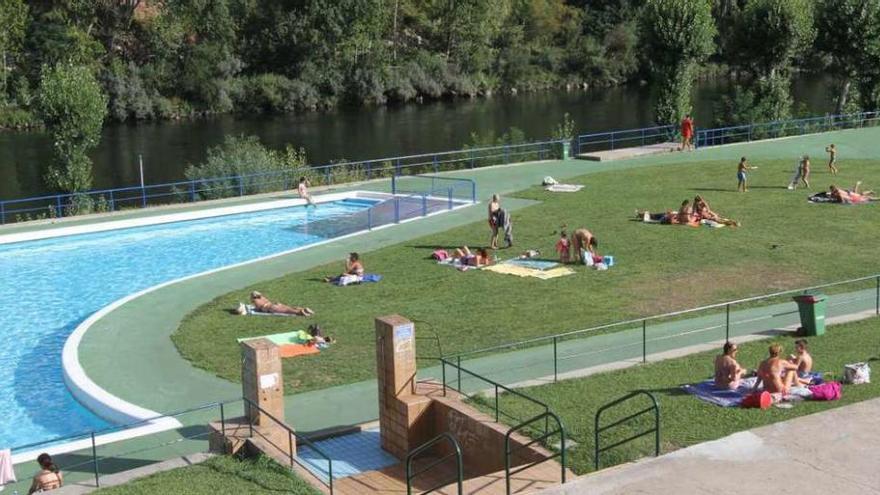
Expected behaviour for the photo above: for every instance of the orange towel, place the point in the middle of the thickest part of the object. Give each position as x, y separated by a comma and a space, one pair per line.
293, 350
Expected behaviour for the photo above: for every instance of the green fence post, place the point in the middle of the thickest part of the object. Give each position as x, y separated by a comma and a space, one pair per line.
496, 402
555, 365
459, 374
644, 341
95, 460
877, 298
727, 324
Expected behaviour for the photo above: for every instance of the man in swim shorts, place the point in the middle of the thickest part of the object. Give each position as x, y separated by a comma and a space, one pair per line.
803, 360
742, 180
832, 159
303, 190
584, 243
776, 374
687, 133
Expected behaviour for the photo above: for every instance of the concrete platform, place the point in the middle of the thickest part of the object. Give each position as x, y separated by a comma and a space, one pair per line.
830, 452
624, 153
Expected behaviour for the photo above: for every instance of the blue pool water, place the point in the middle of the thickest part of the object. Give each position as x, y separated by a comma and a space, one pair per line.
50, 286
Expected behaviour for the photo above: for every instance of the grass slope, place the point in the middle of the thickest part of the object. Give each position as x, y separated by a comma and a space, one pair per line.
686, 420
659, 268
218, 476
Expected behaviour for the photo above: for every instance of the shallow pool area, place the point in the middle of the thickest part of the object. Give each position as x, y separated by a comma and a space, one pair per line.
50, 286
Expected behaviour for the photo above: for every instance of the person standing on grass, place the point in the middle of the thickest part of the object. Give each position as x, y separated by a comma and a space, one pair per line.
742, 179
303, 189
832, 159
687, 133
563, 247
585, 244
805, 171
494, 224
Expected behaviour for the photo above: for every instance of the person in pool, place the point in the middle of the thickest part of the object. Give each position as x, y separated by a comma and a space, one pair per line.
262, 304
49, 477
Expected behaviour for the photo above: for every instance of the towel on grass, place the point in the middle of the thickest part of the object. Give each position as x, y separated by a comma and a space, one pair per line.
564, 188
521, 271
821, 197
290, 344
706, 391
533, 263
356, 279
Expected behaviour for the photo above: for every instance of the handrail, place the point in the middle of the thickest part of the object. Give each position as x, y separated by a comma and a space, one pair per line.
656, 430
410, 456
508, 452
634, 321
291, 435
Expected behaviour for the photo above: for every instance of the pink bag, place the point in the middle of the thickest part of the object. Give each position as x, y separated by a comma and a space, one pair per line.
440, 254
826, 391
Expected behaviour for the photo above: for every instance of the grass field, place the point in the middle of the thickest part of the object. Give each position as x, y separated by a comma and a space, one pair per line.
784, 243
218, 476
686, 420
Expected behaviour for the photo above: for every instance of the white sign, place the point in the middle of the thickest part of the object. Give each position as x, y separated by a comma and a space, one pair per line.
268, 381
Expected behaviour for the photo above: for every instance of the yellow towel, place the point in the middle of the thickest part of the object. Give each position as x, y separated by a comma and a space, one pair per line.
521, 271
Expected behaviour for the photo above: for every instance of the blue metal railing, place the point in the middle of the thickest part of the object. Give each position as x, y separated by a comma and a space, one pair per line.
190, 191
624, 138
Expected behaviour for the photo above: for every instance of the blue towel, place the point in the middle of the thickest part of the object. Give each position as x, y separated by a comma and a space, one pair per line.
706, 391
371, 277
532, 263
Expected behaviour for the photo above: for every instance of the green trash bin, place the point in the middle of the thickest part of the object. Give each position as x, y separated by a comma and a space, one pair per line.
812, 310
566, 150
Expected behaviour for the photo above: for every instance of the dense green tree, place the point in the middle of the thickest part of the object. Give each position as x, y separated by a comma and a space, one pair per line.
13, 19
849, 31
676, 35
73, 107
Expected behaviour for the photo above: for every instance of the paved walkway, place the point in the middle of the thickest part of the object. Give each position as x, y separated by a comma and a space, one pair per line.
829, 452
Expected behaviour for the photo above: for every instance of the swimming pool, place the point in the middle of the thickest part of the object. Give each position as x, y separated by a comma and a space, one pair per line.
50, 286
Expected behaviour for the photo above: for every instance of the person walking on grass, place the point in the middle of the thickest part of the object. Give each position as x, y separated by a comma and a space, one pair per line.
742, 179
494, 221
687, 133
832, 159
805, 171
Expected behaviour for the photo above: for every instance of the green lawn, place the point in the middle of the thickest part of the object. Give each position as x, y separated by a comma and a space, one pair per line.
784, 243
686, 420
218, 476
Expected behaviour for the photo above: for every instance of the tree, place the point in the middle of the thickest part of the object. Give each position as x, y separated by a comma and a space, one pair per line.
13, 19
72, 107
677, 36
849, 31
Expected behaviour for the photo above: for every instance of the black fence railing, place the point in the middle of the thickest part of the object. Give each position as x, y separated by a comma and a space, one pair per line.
425, 448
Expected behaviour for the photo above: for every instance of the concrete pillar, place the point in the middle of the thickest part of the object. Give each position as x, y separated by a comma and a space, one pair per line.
403, 415
262, 381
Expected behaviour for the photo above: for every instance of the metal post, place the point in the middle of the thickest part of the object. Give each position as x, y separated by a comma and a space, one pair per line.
449, 190
192, 191
112, 201
397, 165
436, 165
877, 298
612, 140
95, 460
60, 212
727, 324
2, 213
555, 364
143, 198
424, 205
443, 374
369, 170
327, 175
369, 219
222, 421
240, 186
644, 341
290, 447
396, 210
330, 474
393, 183
496, 402
473, 160
459, 373
506, 154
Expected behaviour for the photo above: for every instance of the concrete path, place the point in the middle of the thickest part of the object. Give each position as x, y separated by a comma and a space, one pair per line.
626, 153
830, 452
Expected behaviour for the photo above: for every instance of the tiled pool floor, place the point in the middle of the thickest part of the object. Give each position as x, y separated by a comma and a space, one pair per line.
351, 454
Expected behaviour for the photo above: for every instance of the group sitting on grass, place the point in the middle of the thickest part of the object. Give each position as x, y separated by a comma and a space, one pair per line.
687, 214
775, 374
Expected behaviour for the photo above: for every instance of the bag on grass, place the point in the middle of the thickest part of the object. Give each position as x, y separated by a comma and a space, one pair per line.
440, 254
857, 373
757, 400
826, 391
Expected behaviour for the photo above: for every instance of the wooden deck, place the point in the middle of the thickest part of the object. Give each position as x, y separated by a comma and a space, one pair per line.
623, 153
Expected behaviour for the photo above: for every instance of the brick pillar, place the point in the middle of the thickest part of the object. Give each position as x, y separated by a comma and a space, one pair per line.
262, 381
402, 414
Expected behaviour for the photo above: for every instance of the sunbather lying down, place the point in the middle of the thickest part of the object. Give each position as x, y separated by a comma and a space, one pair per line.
466, 257
687, 214
264, 305
851, 196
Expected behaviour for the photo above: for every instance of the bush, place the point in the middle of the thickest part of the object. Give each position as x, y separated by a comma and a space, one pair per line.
245, 156
15, 117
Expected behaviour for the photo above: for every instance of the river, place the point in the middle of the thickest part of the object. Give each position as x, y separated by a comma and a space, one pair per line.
362, 133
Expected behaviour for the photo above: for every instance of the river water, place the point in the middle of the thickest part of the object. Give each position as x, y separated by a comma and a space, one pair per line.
357, 134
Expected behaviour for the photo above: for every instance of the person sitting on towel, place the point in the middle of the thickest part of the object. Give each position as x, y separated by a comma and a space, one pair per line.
703, 212
776, 374
466, 257
728, 372
264, 305
803, 360
353, 268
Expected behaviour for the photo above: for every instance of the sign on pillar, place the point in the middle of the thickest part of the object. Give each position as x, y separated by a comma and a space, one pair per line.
262, 381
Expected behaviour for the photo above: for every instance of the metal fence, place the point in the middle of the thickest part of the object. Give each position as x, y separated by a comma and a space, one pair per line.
192, 191
626, 138
552, 356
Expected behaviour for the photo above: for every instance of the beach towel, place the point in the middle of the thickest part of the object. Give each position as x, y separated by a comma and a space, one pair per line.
355, 279
7, 474
706, 391
522, 271
252, 311
290, 344
821, 197
564, 188
533, 263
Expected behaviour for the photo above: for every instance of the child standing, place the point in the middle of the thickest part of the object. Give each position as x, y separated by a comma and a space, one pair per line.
742, 180
303, 189
805, 171
832, 159
563, 247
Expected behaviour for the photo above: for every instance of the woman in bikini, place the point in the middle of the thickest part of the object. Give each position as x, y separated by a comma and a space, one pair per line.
468, 258
48, 477
703, 212
494, 223
852, 196
262, 304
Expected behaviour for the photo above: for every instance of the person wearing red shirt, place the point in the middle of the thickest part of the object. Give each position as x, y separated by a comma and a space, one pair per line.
687, 133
